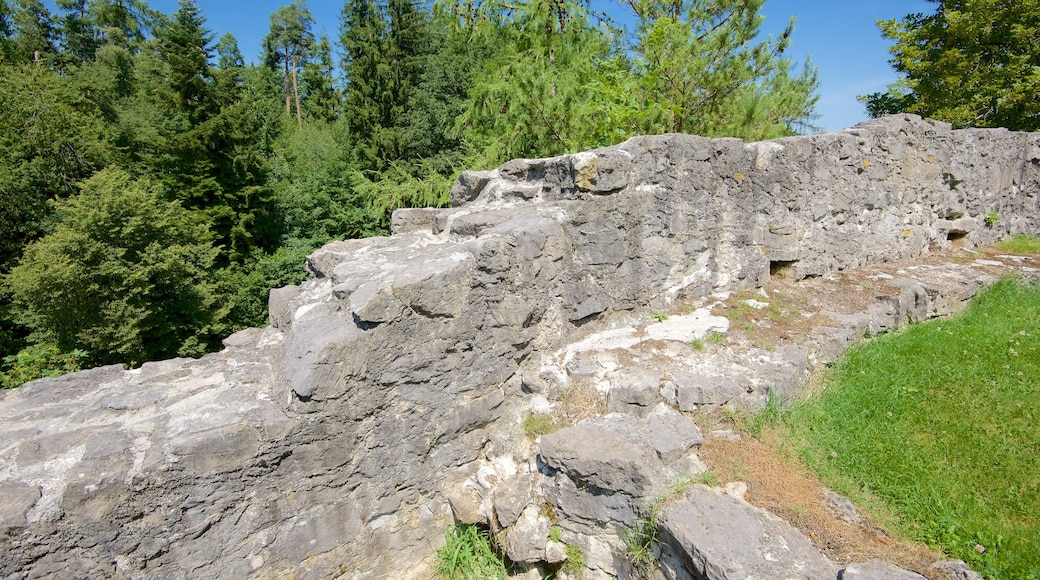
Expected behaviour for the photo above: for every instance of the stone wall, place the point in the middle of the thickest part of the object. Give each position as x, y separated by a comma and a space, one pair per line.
336, 440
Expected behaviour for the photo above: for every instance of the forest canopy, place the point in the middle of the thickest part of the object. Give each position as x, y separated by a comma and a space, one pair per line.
155, 186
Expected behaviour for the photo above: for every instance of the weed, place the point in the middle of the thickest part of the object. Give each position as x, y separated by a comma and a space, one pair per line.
769, 416
642, 539
575, 563
992, 219
941, 423
555, 533
1020, 244
640, 542
659, 316
716, 338
697, 344
468, 553
538, 425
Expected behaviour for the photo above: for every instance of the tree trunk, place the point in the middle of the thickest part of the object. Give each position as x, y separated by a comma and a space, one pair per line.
296, 92
288, 107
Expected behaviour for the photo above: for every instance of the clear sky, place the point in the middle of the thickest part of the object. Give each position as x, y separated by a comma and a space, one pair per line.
840, 36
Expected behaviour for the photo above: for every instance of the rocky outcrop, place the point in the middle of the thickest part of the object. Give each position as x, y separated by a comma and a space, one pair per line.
384, 400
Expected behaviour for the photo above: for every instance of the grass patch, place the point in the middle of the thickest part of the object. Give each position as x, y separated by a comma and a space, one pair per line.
467, 554
538, 425
1020, 244
941, 422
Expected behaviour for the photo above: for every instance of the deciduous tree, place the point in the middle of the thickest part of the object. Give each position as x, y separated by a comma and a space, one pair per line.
971, 63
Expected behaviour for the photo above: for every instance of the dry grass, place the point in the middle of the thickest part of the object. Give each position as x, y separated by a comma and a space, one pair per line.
778, 483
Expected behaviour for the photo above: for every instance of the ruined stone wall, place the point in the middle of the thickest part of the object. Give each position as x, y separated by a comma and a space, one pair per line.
331, 441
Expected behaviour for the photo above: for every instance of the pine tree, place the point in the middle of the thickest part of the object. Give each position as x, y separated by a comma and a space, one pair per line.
80, 38
228, 55
537, 97
700, 70
34, 32
287, 44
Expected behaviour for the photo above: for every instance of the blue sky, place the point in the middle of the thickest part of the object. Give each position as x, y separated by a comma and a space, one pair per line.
841, 36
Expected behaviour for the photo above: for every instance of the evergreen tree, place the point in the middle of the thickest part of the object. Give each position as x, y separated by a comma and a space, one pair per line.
972, 63
537, 97
700, 71
183, 43
286, 44
124, 23
367, 86
321, 100
34, 32
79, 36
228, 55
6, 32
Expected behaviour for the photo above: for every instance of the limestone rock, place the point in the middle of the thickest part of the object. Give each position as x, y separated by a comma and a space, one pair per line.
876, 570
718, 537
335, 436
954, 570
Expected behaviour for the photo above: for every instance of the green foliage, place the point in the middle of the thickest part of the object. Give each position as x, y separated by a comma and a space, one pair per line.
992, 219
536, 97
659, 316
972, 63
122, 275
468, 554
575, 562
700, 71
50, 137
941, 423
39, 361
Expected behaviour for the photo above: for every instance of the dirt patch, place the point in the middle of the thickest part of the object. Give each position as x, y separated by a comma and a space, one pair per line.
777, 482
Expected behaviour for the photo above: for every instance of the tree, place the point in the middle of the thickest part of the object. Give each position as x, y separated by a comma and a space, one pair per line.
973, 63
537, 95
34, 32
321, 100
228, 55
287, 44
183, 43
121, 276
80, 37
362, 38
701, 71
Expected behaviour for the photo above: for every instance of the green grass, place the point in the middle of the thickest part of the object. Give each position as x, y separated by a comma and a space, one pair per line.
538, 425
468, 554
1020, 244
941, 423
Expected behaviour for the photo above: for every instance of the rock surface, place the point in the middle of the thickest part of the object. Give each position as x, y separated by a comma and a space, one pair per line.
717, 537
384, 399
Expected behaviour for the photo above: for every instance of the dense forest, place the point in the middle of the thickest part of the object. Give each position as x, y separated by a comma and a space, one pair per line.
155, 186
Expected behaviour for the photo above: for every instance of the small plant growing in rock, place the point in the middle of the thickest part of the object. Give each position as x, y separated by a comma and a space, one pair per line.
575, 563
468, 553
659, 316
992, 219
538, 425
716, 338
697, 344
